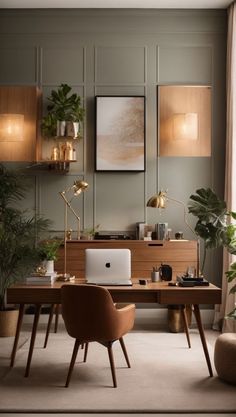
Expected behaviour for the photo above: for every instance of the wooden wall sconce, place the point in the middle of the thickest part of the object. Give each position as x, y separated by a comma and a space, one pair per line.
184, 120
19, 107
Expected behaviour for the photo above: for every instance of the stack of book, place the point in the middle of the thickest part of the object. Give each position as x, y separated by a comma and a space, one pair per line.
41, 279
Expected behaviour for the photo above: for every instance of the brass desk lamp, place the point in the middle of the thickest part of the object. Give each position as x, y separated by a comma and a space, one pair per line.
159, 201
77, 188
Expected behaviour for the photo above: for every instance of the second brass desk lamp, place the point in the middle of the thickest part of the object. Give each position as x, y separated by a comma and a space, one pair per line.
159, 200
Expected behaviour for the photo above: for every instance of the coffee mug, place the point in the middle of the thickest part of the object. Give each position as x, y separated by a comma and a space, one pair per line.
165, 272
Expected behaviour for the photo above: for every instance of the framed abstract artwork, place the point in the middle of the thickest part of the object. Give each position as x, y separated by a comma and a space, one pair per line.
120, 133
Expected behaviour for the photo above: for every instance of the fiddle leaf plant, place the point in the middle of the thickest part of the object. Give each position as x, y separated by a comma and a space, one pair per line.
62, 106
211, 212
18, 233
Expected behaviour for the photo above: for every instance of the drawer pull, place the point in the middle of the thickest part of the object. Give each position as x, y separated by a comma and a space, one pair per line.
155, 244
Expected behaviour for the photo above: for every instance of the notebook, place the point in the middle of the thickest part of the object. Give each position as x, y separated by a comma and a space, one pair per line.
108, 266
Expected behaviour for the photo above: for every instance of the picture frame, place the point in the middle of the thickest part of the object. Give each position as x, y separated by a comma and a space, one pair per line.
120, 134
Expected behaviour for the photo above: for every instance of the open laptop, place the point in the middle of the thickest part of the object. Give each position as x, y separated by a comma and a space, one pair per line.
108, 266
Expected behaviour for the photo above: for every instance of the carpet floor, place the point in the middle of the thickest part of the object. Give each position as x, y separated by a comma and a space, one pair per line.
165, 376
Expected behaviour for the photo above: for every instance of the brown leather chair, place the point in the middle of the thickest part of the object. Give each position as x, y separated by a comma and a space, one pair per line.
91, 316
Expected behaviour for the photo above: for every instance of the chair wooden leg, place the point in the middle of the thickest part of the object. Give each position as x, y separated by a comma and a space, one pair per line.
52, 308
111, 359
85, 352
122, 343
185, 322
56, 317
72, 362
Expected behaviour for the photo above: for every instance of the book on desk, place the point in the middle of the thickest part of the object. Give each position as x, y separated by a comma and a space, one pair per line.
41, 279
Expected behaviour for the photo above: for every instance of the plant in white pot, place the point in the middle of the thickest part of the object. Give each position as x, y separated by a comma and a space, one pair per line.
48, 251
18, 232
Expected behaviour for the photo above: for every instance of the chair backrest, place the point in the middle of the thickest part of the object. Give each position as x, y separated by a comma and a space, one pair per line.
88, 312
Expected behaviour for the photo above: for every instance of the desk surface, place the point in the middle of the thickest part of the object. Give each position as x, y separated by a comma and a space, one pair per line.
151, 293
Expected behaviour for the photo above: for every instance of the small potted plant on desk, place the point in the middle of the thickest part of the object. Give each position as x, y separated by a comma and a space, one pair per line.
18, 253
48, 252
88, 234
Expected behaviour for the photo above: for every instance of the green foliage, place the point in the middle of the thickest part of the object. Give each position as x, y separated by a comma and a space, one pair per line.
49, 125
214, 226
62, 106
18, 233
48, 249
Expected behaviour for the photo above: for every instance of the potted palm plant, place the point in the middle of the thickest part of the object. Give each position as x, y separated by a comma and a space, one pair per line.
18, 250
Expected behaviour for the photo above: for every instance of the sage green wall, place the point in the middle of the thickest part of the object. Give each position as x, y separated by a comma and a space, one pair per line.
121, 52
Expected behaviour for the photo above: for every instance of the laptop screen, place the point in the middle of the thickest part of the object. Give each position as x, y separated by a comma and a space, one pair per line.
107, 266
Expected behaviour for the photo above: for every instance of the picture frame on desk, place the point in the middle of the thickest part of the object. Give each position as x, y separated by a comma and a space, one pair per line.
120, 133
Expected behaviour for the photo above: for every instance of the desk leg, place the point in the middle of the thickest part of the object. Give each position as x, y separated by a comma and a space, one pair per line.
18, 329
52, 309
185, 322
33, 335
202, 335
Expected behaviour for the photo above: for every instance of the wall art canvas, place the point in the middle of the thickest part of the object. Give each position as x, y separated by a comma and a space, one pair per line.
120, 133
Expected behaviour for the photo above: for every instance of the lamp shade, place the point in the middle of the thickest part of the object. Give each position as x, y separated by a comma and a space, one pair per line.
157, 200
185, 126
11, 127
79, 187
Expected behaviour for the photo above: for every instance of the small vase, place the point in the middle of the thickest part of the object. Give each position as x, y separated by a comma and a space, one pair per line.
61, 127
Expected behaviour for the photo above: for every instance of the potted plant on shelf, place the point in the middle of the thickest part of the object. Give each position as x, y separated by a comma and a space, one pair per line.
18, 251
63, 110
48, 252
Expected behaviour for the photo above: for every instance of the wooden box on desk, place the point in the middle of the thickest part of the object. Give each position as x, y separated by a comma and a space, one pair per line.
179, 254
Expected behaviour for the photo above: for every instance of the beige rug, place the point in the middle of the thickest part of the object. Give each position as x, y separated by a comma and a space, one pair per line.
165, 376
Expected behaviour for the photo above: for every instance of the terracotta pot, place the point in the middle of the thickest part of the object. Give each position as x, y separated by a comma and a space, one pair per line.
8, 322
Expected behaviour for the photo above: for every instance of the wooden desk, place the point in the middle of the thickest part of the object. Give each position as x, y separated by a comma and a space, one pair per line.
159, 293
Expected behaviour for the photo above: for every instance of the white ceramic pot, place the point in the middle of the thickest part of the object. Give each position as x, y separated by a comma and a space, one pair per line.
49, 265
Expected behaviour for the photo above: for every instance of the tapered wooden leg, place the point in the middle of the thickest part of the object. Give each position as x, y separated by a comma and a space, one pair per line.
122, 343
185, 322
56, 317
18, 329
202, 335
33, 336
72, 362
85, 352
52, 309
111, 359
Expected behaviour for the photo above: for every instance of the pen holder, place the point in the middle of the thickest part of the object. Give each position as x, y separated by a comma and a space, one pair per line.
155, 276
